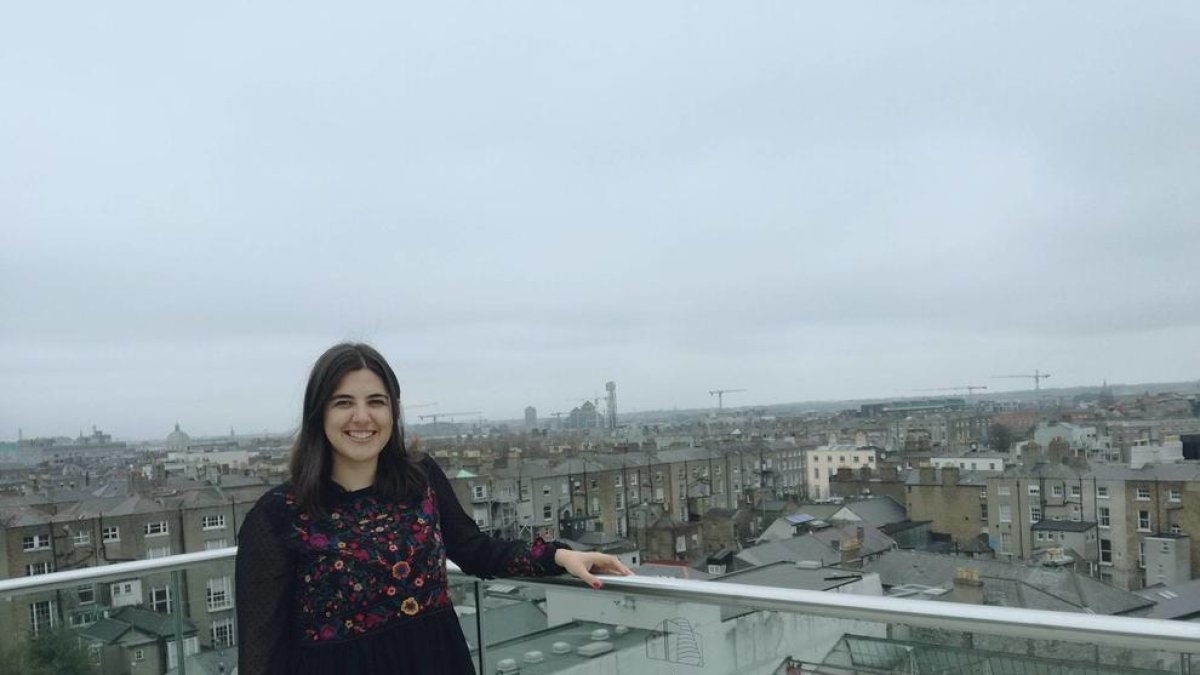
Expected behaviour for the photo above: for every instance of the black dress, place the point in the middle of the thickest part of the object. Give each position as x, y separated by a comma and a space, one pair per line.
363, 591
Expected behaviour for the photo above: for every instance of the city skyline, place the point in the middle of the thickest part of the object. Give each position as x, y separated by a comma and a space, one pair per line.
517, 205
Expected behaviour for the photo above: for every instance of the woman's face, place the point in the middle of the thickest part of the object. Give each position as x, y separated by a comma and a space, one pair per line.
358, 419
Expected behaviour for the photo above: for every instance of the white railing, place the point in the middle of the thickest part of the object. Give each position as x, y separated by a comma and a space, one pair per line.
1112, 631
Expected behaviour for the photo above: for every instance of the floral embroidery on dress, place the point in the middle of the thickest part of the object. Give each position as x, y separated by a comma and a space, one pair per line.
368, 563
373, 562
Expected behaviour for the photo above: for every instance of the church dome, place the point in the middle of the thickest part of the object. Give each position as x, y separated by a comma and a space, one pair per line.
178, 440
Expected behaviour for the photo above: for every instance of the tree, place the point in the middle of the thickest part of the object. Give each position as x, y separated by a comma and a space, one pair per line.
55, 652
1000, 437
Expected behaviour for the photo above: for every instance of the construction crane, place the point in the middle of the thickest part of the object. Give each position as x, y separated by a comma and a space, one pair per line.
1037, 377
969, 388
720, 394
435, 416
410, 406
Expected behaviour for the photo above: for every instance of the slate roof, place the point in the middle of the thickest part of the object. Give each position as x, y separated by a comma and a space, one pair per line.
1181, 601
790, 550
877, 511
1009, 584
788, 575
105, 630
874, 541
670, 571
22, 516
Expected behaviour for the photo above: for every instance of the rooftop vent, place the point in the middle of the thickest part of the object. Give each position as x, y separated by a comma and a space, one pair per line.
561, 647
594, 649
507, 667
621, 630
534, 656
808, 564
600, 634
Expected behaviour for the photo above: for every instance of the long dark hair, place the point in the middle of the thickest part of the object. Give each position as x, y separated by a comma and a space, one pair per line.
396, 476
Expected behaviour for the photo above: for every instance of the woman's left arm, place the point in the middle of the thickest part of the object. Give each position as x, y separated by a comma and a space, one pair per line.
483, 556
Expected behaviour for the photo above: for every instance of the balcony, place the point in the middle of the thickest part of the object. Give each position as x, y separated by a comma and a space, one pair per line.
740, 624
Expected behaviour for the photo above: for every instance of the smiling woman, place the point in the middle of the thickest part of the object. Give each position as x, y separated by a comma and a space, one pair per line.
343, 569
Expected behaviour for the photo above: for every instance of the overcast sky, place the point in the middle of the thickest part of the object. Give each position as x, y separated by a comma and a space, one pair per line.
517, 202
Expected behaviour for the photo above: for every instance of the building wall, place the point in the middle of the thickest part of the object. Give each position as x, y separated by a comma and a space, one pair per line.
953, 508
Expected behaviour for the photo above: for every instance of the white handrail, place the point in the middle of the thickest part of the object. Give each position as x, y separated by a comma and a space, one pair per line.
1113, 631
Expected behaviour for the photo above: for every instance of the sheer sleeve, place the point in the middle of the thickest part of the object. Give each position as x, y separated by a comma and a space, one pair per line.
264, 582
479, 554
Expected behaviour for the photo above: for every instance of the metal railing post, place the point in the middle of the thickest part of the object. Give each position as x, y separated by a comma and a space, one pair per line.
479, 624
177, 614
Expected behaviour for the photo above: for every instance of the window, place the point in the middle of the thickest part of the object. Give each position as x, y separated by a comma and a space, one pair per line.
1104, 516
1143, 494
1005, 542
983, 512
1106, 552
545, 490
1004, 490
856, 461
36, 542
1175, 495
1141, 561
983, 495
816, 472
81, 538
156, 529
222, 633
1075, 491
110, 535
1101, 492
617, 481
1176, 529
160, 600
1035, 490
619, 501
478, 492
547, 512
1056, 490
1166, 547
218, 594
595, 506
37, 568
158, 551
139, 655
86, 594
216, 522
1143, 523
41, 616
125, 593
213, 544
594, 484
1035, 513
1005, 513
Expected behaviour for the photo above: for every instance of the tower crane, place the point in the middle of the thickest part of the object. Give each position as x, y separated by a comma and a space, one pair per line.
435, 416
1037, 378
410, 406
969, 388
720, 394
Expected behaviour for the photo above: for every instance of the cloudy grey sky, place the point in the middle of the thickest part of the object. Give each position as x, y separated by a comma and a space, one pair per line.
519, 201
